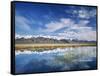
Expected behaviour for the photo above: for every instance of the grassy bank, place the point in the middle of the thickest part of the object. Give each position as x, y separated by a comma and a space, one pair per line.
41, 47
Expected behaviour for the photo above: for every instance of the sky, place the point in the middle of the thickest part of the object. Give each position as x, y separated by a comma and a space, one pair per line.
60, 21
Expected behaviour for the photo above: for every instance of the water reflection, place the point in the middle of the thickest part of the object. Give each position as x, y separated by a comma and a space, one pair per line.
65, 59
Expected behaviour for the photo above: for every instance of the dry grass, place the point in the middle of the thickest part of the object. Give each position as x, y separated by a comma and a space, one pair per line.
48, 46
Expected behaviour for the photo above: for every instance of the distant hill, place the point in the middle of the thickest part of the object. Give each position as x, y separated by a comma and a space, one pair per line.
43, 40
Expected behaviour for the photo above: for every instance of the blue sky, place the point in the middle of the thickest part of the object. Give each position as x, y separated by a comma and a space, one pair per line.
63, 21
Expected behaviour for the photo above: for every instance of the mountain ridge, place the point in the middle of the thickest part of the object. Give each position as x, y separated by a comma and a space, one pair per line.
48, 40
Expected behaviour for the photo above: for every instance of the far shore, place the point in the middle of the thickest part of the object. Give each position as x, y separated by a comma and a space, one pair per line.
49, 46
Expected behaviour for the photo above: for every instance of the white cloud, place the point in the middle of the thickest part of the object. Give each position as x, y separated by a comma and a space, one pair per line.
67, 21
83, 22
79, 32
54, 26
82, 35
84, 13
90, 35
22, 23
75, 11
17, 36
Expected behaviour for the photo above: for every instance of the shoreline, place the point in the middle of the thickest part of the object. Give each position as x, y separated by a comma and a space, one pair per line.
57, 50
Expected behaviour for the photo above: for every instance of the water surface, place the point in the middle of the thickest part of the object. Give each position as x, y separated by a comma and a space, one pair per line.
66, 59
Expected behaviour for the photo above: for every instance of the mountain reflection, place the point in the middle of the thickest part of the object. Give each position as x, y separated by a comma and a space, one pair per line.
65, 59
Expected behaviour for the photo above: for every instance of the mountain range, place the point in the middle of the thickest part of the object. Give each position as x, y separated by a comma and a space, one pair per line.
43, 40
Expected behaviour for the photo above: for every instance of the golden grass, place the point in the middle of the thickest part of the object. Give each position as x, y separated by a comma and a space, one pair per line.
48, 46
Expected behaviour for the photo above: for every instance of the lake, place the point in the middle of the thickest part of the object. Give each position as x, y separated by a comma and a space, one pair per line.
56, 60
